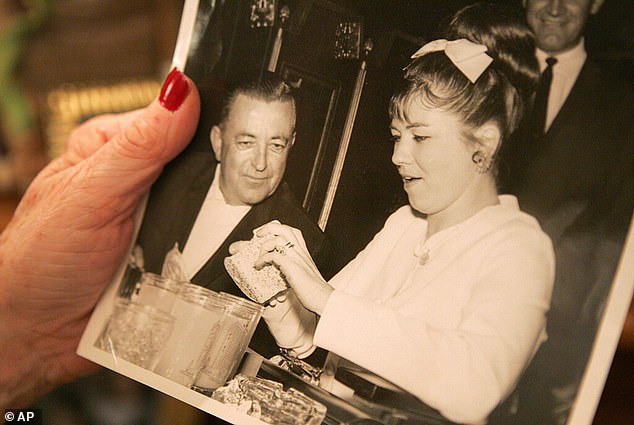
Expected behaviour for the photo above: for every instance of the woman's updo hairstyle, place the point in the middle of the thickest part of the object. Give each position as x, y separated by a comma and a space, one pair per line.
504, 89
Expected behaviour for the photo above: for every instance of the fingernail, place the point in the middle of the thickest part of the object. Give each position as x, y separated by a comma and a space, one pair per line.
174, 91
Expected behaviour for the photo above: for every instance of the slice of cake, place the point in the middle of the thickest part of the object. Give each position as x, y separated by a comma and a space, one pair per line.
259, 285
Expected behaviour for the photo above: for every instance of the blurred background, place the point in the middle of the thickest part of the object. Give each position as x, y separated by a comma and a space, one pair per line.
62, 61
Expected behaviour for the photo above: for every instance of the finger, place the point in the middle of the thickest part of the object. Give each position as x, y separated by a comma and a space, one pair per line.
277, 229
285, 258
110, 127
136, 154
299, 237
278, 299
237, 246
92, 134
276, 243
267, 247
87, 138
272, 257
264, 226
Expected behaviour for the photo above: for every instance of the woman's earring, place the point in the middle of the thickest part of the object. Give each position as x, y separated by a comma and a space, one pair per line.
482, 162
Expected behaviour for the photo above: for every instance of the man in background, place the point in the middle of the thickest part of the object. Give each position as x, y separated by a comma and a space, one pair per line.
571, 166
203, 202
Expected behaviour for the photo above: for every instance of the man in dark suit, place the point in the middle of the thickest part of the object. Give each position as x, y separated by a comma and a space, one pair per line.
567, 168
203, 202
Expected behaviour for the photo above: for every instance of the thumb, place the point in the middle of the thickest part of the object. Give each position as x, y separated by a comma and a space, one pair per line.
136, 154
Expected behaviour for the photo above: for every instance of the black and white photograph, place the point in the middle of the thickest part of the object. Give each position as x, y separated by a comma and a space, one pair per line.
360, 212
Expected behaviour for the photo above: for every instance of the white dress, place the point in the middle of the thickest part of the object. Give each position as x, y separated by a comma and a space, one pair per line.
453, 320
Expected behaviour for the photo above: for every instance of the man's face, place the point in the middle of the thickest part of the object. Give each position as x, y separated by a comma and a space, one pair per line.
252, 146
558, 24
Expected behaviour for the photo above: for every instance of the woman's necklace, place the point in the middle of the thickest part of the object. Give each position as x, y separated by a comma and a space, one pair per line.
424, 248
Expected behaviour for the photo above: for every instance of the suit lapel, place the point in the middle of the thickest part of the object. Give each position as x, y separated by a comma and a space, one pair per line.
569, 111
172, 207
192, 202
214, 269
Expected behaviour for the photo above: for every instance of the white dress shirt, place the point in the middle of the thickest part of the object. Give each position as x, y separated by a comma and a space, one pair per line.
565, 73
215, 221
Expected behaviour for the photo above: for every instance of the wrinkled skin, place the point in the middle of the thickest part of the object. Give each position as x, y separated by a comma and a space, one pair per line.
68, 236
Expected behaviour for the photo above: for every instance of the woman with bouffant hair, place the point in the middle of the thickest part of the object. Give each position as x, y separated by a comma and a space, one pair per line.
449, 300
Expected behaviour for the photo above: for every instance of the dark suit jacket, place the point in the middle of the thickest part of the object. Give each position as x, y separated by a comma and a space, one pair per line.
172, 208
569, 168
575, 181
571, 180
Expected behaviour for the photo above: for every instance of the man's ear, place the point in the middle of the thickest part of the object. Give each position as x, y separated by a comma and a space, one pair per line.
216, 141
596, 6
293, 139
488, 136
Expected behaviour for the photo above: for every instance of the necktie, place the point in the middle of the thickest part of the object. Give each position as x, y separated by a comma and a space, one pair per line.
541, 97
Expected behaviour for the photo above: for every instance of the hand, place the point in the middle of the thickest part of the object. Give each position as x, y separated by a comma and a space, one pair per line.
288, 251
291, 324
70, 233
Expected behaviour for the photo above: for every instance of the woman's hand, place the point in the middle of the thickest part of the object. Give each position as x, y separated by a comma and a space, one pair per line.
288, 251
70, 233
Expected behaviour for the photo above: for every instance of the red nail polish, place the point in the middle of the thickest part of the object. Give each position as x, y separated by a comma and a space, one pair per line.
174, 91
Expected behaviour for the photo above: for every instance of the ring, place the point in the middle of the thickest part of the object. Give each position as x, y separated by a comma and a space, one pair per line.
282, 249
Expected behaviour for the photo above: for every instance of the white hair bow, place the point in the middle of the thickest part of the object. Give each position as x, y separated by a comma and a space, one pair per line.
470, 58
